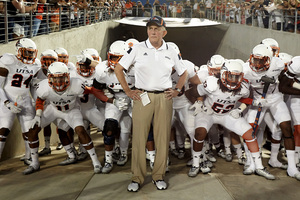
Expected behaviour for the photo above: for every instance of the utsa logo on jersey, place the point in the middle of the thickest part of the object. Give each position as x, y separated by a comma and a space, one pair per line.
226, 101
24, 71
61, 102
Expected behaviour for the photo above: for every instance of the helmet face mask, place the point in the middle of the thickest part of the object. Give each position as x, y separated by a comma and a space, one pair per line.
232, 75
26, 51
58, 77
47, 58
260, 58
63, 55
84, 70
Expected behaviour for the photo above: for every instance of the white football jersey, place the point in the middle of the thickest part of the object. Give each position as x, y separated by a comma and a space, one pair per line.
19, 76
254, 79
65, 101
202, 73
104, 75
221, 102
182, 101
88, 100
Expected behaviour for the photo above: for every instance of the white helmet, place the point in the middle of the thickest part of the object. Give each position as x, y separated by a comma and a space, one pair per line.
174, 46
130, 42
273, 44
26, 51
62, 54
231, 74
294, 65
93, 52
285, 57
58, 76
48, 57
260, 58
116, 51
214, 64
84, 69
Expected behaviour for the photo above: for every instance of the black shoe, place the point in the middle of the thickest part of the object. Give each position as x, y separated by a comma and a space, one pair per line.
59, 146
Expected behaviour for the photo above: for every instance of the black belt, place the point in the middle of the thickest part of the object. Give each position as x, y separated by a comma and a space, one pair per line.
155, 91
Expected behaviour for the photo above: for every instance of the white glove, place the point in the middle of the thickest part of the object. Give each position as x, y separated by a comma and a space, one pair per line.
197, 107
236, 113
108, 94
12, 107
260, 102
121, 103
207, 110
36, 121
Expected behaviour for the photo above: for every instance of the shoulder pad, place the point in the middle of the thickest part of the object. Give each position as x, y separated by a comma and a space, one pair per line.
7, 59
42, 89
77, 85
211, 84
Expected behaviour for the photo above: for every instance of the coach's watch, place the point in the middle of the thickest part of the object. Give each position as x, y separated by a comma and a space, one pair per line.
178, 90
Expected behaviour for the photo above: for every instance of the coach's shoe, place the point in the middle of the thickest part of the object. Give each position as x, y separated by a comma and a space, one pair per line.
160, 184
228, 157
263, 172
122, 160
68, 161
45, 151
181, 153
248, 170
242, 160
82, 156
107, 167
27, 161
97, 169
133, 187
194, 171
277, 164
31, 169
204, 168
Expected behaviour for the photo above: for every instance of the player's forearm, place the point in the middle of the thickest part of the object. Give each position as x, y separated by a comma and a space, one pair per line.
121, 77
182, 80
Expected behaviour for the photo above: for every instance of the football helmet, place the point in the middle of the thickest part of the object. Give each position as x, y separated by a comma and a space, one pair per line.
26, 51
116, 51
260, 58
58, 76
273, 44
231, 74
174, 46
93, 52
286, 58
62, 54
214, 65
294, 65
83, 69
47, 58
130, 42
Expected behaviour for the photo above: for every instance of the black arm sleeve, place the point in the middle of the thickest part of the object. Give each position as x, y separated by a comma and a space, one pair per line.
286, 85
99, 86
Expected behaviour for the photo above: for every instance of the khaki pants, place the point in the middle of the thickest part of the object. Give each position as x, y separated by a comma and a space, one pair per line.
160, 111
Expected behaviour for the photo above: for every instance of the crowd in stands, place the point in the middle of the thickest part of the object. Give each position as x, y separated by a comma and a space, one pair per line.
273, 14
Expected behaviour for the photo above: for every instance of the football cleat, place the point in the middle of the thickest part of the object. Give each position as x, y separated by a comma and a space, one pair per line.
123, 160
248, 170
107, 168
265, 173
242, 160
208, 163
160, 184
277, 164
82, 156
204, 168
31, 170
97, 169
228, 157
133, 187
210, 156
181, 153
221, 154
193, 172
45, 151
68, 161
59, 146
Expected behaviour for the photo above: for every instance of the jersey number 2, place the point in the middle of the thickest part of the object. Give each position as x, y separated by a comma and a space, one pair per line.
218, 108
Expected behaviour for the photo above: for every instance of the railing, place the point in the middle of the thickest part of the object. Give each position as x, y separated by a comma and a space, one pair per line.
54, 18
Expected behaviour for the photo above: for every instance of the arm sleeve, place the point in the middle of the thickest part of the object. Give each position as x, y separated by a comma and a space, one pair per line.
201, 90
39, 104
128, 59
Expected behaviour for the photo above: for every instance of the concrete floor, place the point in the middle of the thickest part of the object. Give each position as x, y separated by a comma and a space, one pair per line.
78, 181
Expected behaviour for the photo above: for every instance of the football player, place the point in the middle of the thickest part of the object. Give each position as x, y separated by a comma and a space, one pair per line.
222, 95
261, 64
16, 73
61, 91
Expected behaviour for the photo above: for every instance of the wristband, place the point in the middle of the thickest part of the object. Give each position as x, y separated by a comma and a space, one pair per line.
178, 90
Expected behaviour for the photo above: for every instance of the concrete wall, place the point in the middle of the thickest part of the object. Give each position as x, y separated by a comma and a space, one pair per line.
98, 36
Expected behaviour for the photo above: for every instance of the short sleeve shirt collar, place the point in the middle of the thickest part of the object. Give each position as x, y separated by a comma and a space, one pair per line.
163, 46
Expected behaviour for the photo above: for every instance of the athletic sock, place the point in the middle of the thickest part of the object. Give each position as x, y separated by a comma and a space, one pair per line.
108, 156
93, 156
238, 150
47, 142
70, 151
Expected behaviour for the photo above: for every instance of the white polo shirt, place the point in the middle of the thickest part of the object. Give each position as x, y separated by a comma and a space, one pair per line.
153, 67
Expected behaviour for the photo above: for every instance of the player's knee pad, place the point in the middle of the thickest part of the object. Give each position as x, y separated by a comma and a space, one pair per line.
110, 130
